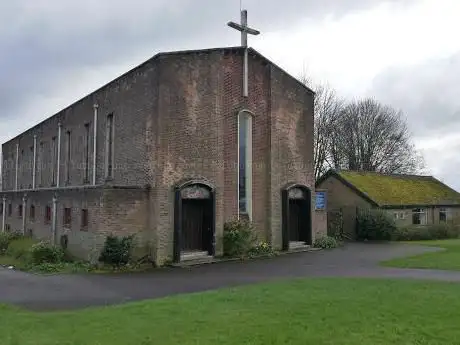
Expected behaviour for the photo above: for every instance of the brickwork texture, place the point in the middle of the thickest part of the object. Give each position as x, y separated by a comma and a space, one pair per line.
174, 118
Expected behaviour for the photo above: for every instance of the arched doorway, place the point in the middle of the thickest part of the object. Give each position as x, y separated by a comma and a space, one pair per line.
296, 215
194, 218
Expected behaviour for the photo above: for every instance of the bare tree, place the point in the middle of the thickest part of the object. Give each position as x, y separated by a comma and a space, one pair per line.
369, 136
327, 108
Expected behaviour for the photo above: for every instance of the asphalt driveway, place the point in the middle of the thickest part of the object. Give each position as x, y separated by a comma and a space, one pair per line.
77, 291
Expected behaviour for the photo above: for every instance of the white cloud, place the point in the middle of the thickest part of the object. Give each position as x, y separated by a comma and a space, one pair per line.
348, 51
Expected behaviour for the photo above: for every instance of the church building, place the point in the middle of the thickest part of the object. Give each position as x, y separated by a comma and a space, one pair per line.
170, 151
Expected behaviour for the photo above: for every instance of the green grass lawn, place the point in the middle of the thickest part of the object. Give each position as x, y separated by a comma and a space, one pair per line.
315, 311
448, 259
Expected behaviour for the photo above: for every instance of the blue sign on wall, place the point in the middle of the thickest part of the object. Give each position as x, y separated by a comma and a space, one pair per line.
320, 200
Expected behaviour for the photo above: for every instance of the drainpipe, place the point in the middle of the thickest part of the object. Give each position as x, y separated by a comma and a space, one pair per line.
53, 224
58, 155
35, 162
24, 211
95, 106
17, 167
4, 214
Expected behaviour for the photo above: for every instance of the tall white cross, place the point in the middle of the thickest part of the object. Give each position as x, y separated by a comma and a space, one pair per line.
245, 30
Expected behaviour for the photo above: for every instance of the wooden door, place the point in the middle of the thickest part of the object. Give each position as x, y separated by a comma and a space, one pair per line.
193, 224
294, 220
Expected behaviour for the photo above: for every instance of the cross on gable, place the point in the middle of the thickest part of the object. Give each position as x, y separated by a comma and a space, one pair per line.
243, 28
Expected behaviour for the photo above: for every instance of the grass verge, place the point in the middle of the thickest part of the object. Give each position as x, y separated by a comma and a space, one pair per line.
314, 311
448, 259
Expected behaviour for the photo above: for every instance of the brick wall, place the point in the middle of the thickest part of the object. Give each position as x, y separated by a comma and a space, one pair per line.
291, 142
132, 100
200, 96
175, 117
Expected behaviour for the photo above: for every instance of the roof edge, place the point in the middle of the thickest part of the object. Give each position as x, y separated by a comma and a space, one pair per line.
334, 173
255, 52
133, 69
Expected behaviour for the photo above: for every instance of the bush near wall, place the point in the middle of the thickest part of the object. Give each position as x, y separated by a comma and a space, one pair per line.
378, 225
426, 232
374, 225
239, 238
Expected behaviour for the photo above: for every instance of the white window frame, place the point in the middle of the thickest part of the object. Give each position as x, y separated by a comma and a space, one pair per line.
248, 161
446, 211
423, 216
399, 215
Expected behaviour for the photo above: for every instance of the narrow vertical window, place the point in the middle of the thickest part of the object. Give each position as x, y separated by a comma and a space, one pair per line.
22, 168
31, 162
245, 164
86, 158
68, 157
67, 217
84, 219
109, 146
10, 210
47, 214
53, 161
32, 212
40, 164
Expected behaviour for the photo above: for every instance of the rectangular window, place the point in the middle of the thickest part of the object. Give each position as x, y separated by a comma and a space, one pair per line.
1, 208
109, 146
19, 210
32, 212
47, 214
53, 161
443, 215
67, 217
399, 215
419, 216
245, 164
40, 164
68, 157
86, 178
10, 209
21, 169
84, 219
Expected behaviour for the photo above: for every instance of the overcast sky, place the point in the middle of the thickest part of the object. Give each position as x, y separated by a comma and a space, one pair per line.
406, 53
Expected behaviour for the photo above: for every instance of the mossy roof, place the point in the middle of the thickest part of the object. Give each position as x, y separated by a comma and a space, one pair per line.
394, 189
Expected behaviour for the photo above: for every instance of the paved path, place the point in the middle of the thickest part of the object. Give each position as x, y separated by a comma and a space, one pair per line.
77, 291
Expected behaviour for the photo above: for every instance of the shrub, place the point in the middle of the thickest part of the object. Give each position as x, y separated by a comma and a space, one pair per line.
4, 242
262, 248
44, 253
325, 242
19, 248
117, 251
426, 232
374, 225
239, 238
6, 238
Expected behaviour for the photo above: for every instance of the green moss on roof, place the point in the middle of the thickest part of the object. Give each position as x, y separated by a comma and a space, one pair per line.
394, 189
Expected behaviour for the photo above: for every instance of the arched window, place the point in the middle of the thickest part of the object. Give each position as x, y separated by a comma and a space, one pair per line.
245, 164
